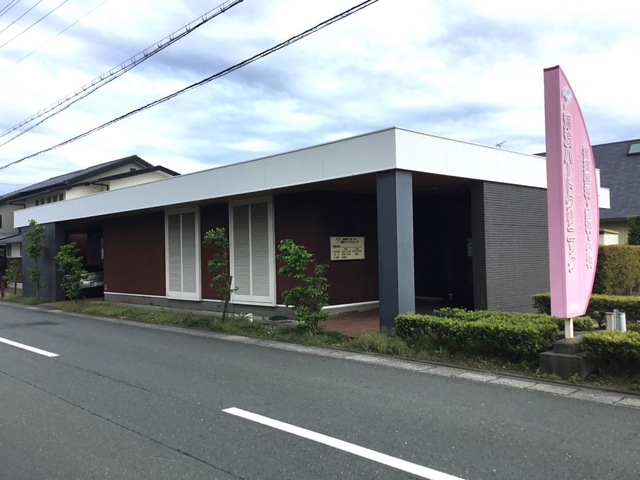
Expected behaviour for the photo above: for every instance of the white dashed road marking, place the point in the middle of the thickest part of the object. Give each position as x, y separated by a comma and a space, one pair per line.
27, 347
378, 457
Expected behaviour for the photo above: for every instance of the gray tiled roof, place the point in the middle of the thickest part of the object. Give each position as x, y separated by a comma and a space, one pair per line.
72, 178
620, 173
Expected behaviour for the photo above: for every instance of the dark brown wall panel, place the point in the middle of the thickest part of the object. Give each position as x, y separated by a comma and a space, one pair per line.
310, 218
134, 260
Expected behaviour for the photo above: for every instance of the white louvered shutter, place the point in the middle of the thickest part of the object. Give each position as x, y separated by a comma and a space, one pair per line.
252, 258
183, 255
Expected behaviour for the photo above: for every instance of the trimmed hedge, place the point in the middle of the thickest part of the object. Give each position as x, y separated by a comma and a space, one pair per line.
514, 336
613, 350
582, 324
618, 269
599, 305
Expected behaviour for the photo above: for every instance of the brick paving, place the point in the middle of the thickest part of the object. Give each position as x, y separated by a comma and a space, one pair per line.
354, 324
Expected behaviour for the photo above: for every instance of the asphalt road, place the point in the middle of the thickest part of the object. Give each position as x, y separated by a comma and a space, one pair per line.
128, 401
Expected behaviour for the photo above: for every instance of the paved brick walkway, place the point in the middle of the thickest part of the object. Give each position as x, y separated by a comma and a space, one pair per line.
354, 324
358, 323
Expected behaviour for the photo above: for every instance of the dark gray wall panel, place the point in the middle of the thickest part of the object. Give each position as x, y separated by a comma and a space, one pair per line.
515, 246
50, 277
395, 245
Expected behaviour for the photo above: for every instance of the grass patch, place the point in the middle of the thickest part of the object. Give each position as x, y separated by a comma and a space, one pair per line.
235, 325
380, 343
22, 300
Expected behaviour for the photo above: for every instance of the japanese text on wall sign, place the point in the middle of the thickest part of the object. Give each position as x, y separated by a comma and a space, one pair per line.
347, 248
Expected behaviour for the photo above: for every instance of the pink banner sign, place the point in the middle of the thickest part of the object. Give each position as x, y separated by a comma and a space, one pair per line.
572, 199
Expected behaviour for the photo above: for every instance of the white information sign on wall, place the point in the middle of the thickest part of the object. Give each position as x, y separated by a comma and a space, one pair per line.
347, 248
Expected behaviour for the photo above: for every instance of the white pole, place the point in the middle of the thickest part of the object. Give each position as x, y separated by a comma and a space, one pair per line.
568, 328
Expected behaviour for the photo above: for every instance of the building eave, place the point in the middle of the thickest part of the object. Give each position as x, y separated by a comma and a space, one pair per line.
388, 149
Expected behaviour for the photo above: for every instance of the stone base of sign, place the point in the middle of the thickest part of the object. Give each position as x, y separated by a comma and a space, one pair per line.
566, 359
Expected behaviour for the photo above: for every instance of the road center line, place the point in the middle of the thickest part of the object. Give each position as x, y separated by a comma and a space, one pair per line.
388, 460
27, 347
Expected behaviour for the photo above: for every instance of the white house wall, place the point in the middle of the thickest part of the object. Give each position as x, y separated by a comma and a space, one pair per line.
14, 250
136, 180
6, 212
83, 191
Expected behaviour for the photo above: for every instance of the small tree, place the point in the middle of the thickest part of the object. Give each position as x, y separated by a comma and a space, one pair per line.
33, 249
12, 273
70, 264
307, 299
634, 230
218, 266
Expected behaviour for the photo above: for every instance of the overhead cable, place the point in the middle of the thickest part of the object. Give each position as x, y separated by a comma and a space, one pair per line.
55, 36
215, 76
107, 77
8, 6
37, 3
33, 24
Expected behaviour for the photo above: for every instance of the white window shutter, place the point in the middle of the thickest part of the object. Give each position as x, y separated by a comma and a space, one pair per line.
182, 234
174, 246
260, 249
252, 252
241, 250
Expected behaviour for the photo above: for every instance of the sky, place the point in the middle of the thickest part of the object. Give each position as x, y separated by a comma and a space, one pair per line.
465, 70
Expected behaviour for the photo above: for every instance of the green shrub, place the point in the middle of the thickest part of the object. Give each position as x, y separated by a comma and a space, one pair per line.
513, 336
633, 223
69, 262
618, 270
599, 305
311, 294
613, 350
542, 302
580, 324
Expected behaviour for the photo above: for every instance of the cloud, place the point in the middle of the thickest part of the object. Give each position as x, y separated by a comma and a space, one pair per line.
467, 70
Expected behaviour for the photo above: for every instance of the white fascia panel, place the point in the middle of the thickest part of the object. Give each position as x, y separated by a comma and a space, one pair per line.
354, 156
425, 153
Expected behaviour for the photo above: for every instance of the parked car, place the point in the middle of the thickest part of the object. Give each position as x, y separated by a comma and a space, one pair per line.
92, 282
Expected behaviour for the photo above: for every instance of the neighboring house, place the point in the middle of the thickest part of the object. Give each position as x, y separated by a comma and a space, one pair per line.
396, 214
619, 165
9, 237
112, 175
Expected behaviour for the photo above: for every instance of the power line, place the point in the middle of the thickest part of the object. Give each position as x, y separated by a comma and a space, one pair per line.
215, 76
34, 23
38, 3
54, 37
9, 6
107, 77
